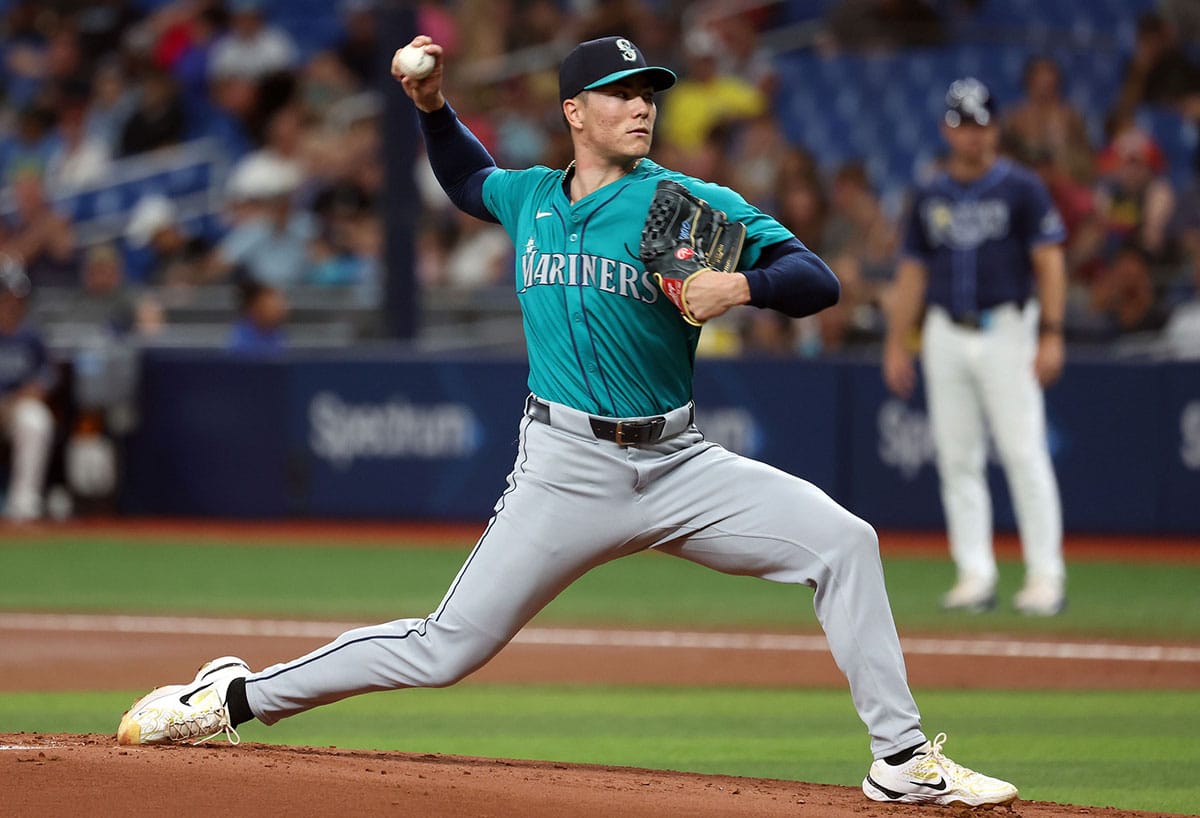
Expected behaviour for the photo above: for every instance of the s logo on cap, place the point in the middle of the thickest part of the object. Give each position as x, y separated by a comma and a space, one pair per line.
628, 52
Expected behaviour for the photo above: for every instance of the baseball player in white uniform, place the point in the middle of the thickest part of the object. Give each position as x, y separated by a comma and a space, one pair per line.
26, 374
609, 461
983, 237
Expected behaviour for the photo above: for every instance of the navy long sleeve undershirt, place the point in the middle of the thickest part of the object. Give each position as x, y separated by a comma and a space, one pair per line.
459, 160
791, 278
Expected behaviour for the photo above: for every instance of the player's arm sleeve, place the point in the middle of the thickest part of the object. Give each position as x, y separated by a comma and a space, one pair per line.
460, 162
914, 246
1043, 225
792, 279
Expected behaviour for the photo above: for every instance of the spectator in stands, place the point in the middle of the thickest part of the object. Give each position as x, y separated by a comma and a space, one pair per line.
78, 160
1159, 72
253, 47
1076, 203
481, 255
742, 56
1123, 295
30, 146
704, 98
26, 376
1043, 122
158, 120
1134, 197
105, 302
64, 64
284, 142
24, 53
167, 255
325, 84
346, 253
103, 27
262, 312
269, 238
801, 207
189, 65
40, 238
756, 160
521, 139
857, 224
110, 105
358, 48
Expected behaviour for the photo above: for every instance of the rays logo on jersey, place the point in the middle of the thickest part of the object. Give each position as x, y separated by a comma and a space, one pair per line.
964, 225
585, 270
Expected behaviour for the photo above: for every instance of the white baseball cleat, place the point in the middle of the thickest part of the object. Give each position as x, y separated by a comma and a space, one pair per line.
191, 713
1041, 596
972, 594
931, 778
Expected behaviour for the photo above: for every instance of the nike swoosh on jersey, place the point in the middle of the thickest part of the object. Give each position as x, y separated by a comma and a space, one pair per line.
542, 214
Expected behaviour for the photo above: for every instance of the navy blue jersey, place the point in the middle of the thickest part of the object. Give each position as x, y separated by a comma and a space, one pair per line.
23, 359
975, 239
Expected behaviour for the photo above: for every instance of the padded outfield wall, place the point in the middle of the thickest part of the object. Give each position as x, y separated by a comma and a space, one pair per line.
380, 436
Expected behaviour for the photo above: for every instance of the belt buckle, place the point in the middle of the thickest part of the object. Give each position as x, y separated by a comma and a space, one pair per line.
636, 428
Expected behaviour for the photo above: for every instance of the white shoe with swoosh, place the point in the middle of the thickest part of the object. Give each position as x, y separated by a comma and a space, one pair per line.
189, 713
931, 778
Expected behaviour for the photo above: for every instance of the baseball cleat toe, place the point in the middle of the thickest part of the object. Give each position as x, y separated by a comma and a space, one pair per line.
931, 778
191, 713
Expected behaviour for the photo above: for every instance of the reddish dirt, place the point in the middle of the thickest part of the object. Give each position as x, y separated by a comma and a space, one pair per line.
48, 775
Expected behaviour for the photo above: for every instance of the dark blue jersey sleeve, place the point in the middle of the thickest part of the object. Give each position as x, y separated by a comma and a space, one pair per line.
792, 279
460, 162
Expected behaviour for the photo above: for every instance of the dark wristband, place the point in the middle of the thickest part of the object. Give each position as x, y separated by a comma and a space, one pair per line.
1050, 328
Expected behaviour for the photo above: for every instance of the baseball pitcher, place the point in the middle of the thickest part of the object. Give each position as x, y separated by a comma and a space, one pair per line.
619, 262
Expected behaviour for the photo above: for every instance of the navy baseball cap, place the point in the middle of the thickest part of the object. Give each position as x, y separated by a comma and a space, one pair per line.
608, 59
969, 101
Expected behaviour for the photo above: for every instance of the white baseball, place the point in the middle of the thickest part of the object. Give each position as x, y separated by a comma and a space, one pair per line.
413, 62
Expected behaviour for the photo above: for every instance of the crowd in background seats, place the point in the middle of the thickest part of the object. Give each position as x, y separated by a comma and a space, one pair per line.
85, 86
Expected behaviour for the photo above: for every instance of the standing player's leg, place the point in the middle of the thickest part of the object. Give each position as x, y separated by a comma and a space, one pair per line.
30, 426
742, 517
960, 440
739, 516
1016, 412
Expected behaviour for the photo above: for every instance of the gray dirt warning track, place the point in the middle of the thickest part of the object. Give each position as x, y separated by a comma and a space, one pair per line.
56, 775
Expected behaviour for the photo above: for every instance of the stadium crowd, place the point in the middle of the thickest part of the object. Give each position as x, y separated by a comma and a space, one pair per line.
88, 87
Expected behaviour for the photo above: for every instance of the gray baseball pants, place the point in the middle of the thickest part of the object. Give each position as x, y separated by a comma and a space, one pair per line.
574, 502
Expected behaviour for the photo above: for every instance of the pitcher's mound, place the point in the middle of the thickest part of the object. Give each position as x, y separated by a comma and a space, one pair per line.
55, 775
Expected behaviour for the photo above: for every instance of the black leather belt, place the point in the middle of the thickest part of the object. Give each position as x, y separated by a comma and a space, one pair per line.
621, 432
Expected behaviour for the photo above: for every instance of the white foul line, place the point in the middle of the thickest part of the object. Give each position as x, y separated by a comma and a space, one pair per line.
588, 637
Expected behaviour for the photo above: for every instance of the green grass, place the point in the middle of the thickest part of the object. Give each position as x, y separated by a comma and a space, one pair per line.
1132, 750
376, 583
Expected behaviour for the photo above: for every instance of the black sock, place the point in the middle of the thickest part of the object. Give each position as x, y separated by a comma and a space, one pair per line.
235, 700
896, 759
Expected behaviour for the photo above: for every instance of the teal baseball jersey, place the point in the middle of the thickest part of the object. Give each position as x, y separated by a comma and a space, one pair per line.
601, 336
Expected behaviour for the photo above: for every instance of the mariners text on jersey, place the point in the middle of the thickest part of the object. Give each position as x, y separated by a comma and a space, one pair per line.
585, 270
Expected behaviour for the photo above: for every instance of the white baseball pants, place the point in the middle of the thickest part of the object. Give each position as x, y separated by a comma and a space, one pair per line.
30, 427
981, 379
